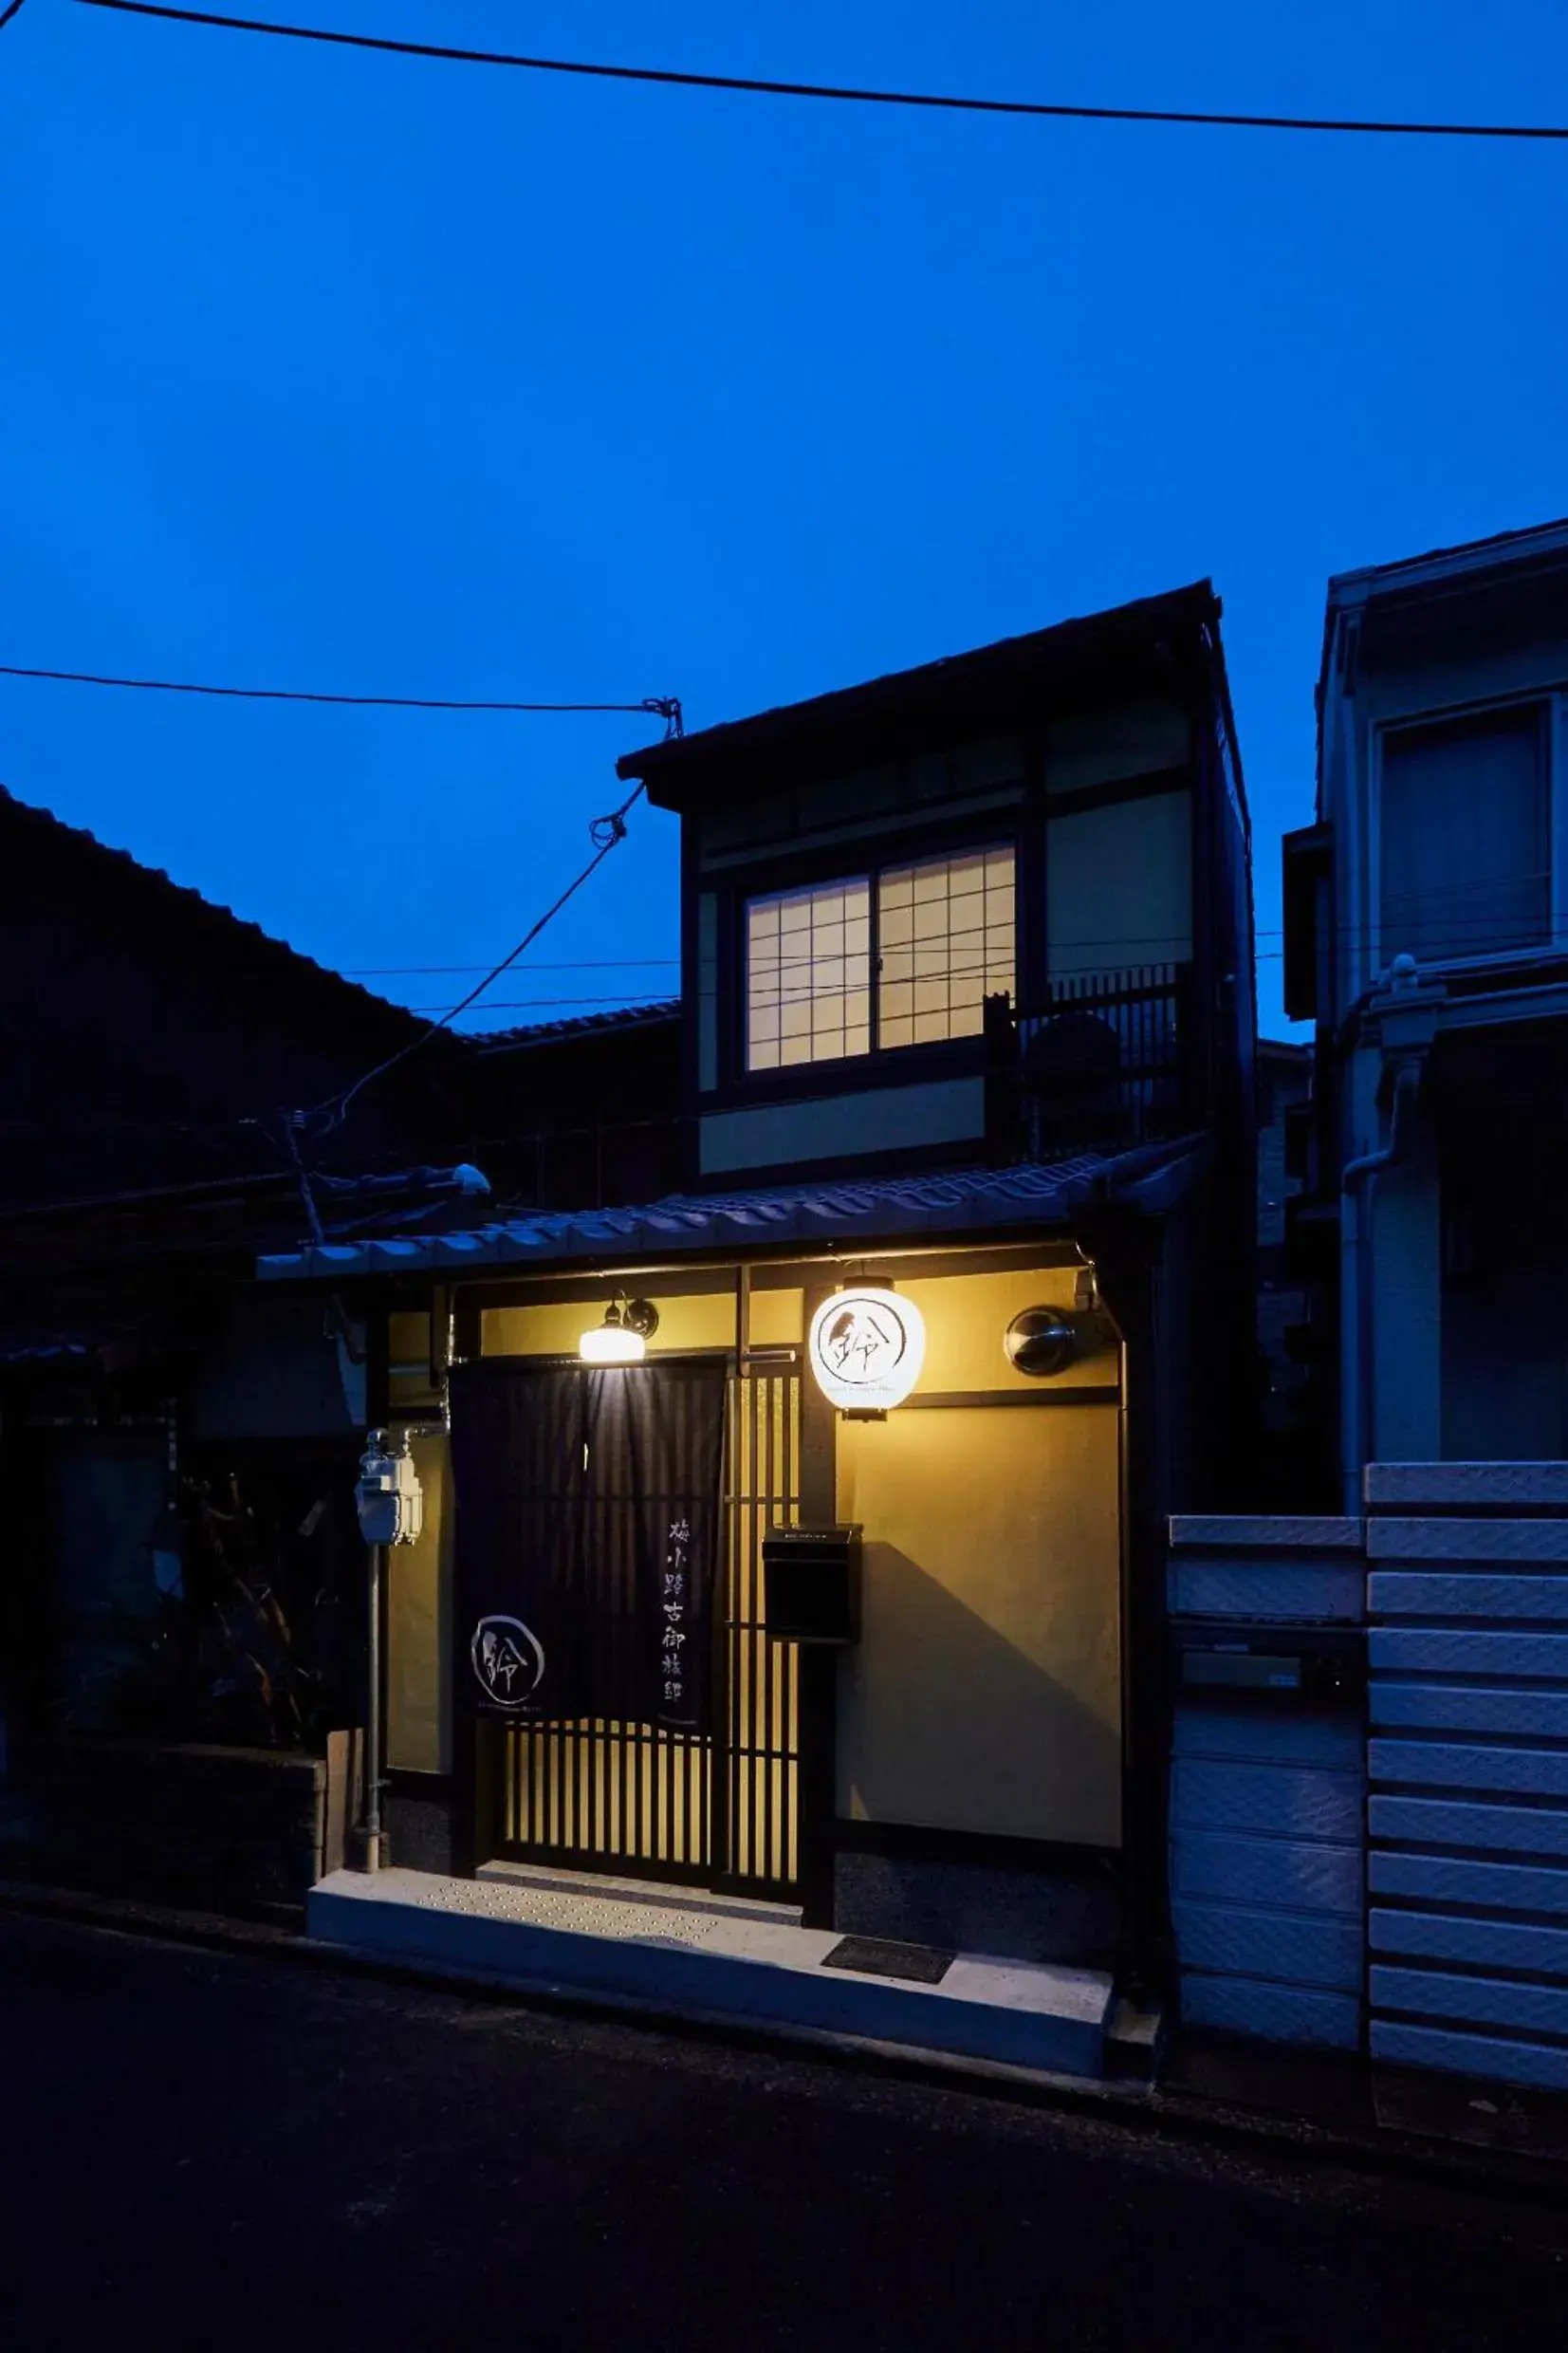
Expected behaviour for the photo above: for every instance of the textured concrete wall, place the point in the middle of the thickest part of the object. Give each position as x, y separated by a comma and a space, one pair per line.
1469, 1810
1267, 1795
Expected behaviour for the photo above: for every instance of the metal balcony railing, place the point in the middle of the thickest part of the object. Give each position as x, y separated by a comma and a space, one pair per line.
1099, 1062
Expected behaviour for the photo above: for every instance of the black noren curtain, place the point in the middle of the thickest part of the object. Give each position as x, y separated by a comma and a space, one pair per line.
588, 1539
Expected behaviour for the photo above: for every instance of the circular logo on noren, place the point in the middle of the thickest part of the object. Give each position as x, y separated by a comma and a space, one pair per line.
508, 1660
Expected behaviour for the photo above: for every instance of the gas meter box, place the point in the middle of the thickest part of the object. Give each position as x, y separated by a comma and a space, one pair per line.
389, 1498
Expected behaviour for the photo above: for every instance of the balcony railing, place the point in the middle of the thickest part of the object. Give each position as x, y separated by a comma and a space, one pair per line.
1099, 1061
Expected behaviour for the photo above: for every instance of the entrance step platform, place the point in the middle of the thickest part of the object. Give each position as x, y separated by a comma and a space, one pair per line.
602, 1885
676, 1951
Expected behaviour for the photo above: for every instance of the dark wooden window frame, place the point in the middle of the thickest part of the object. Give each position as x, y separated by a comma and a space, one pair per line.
883, 1065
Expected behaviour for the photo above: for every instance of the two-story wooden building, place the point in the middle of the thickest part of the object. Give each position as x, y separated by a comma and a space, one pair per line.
958, 1286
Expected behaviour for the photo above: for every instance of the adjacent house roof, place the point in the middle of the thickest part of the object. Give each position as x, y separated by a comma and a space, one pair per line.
1548, 541
573, 1025
953, 1206
221, 935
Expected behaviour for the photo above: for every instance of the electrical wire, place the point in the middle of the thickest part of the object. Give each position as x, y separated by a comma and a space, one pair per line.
7, 13
665, 707
606, 833
755, 86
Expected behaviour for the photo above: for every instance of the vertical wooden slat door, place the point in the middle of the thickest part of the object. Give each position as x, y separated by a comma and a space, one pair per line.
612, 1794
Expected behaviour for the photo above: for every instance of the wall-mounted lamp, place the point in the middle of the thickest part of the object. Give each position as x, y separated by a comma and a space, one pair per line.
1040, 1341
623, 1336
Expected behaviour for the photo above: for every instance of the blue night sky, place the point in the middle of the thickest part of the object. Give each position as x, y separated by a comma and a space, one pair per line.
327, 370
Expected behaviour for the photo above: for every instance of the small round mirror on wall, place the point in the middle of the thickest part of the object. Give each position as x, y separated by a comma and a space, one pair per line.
1040, 1341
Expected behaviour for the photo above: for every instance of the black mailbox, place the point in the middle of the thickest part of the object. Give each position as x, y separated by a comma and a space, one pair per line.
1314, 1666
811, 1589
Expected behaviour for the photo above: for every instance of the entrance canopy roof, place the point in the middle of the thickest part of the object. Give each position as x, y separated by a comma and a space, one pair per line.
950, 1205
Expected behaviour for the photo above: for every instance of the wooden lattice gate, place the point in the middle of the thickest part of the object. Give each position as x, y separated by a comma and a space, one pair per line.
720, 1808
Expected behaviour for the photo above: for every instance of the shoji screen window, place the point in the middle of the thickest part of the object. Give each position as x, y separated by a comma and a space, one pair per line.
946, 935
808, 975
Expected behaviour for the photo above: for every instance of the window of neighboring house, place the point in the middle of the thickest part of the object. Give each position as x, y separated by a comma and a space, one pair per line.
944, 939
1465, 844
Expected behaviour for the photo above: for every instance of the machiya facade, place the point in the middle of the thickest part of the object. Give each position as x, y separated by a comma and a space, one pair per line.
849, 1589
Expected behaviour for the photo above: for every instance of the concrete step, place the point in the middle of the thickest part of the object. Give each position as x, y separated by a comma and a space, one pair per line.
547, 1875
677, 1958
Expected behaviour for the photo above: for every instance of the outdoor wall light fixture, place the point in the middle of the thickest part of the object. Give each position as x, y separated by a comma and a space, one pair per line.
623, 1336
866, 1348
1040, 1342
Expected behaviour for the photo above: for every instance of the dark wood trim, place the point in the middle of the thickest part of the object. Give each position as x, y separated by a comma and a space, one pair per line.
565, 1360
907, 1842
852, 1074
818, 1769
1126, 1253
378, 1365
691, 981
710, 1278
1150, 787
468, 1329
590, 1861
435, 1789
1096, 1393
978, 823
968, 1152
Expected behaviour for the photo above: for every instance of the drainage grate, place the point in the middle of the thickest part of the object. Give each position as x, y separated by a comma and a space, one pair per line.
876, 1959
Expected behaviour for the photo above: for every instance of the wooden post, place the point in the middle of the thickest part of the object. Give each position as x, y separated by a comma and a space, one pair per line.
1125, 1251
818, 1667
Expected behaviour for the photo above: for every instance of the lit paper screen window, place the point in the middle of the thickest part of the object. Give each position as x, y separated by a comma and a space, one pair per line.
808, 975
944, 937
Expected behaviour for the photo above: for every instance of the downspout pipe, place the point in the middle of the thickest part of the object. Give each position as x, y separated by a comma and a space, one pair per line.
1356, 1183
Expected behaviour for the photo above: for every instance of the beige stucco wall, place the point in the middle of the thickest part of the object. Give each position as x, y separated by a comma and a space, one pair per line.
419, 1602
984, 1694
1118, 883
967, 1317
704, 1320
832, 1127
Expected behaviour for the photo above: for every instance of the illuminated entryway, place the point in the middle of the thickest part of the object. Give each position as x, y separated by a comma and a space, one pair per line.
715, 1801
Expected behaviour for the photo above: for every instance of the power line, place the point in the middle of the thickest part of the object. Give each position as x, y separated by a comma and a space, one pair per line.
6, 14
606, 833
944, 100
581, 964
665, 707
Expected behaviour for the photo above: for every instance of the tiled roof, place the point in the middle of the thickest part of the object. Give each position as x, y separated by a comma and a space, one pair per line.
1066, 643
951, 1204
572, 1026
233, 936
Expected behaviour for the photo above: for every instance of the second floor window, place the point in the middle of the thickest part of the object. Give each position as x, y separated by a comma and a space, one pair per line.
1465, 837
808, 975
945, 940
903, 957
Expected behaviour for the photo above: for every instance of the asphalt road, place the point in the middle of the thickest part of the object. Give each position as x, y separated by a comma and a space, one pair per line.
202, 2151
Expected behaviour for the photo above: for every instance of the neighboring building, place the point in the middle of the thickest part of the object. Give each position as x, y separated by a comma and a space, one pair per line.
152, 1402
1290, 1464
581, 1113
1427, 934
966, 1016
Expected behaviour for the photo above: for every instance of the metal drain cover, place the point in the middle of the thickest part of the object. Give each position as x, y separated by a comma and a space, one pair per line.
873, 1958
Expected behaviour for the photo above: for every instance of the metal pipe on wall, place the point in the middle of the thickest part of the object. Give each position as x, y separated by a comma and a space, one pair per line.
376, 1582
